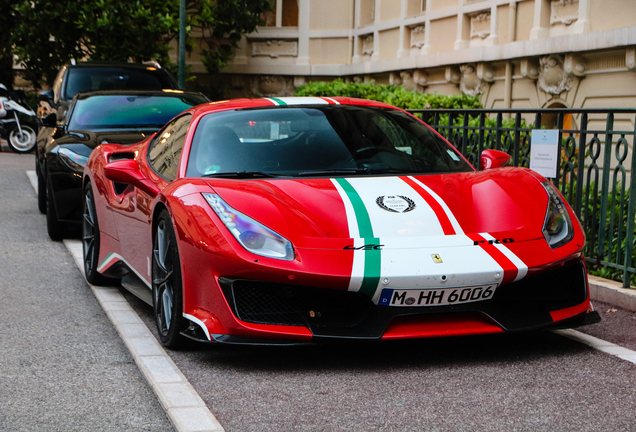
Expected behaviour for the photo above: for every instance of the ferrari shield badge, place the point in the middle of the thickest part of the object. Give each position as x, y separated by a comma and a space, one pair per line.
437, 258
395, 203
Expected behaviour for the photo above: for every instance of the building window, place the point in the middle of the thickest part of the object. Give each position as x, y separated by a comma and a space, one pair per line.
285, 14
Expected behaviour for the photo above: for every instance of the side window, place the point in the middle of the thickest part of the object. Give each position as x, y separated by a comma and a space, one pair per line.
165, 151
57, 85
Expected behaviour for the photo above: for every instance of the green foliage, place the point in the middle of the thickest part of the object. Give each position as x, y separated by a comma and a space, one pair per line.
390, 94
6, 50
48, 34
46, 37
116, 30
616, 218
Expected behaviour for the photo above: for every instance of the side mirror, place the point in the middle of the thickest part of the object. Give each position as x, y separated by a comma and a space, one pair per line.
494, 159
50, 120
127, 171
46, 96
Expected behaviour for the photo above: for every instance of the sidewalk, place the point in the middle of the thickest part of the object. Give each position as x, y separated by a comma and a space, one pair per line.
608, 291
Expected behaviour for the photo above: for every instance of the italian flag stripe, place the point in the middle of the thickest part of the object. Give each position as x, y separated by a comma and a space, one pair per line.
108, 261
511, 271
372, 258
331, 101
443, 218
278, 101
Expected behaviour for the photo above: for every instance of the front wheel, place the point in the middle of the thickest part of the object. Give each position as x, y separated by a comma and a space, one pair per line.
90, 240
167, 292
22, 141
54, 227
41, 192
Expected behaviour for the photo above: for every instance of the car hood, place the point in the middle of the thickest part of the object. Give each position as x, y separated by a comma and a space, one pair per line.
93, 139
311, 212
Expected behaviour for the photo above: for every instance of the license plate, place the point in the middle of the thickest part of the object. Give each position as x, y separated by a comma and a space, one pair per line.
436, 296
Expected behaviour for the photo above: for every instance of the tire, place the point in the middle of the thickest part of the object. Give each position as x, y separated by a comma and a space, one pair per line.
167, 290
91, 240
41, 192
54, 227
22, 142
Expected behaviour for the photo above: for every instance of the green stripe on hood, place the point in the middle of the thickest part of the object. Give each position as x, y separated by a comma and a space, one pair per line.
372, 258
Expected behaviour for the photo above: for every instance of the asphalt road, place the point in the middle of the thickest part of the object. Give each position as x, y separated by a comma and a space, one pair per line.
62, 366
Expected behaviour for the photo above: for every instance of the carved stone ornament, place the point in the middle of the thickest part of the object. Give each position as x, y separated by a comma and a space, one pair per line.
486, 72
564, 12
407, 81
470, 84
530, 69
553, 78
368, 45
630, 59
420, 77
575, 65
272, 85
452, 74
418, 35
395, 79
480, 25
275, 48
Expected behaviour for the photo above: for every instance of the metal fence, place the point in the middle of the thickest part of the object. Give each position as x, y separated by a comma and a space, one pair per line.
599, 186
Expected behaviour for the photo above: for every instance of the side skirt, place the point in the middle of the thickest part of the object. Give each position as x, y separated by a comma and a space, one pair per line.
137, 287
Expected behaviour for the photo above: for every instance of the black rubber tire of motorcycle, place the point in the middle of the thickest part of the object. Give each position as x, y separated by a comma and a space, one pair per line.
25, 127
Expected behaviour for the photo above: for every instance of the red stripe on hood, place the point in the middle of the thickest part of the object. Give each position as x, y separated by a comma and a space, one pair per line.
510, 269
444, 221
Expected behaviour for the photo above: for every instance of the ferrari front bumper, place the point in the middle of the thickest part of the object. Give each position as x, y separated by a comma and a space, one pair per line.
555, 297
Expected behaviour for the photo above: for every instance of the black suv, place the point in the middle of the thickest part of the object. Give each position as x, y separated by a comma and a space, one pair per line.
90, 76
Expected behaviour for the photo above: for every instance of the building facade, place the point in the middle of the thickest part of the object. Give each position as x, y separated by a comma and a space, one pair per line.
514, 53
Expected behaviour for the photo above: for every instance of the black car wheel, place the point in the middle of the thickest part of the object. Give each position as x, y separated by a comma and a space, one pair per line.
54, 227
167, 297
41, 192
90, 240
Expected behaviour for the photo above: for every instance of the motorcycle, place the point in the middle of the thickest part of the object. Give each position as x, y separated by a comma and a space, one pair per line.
20, 135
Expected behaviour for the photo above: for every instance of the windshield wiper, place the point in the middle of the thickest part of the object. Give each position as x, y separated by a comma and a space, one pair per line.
345, 171
354, 171
242, 174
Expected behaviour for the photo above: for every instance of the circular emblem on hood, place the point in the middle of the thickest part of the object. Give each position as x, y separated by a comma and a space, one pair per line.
395, 203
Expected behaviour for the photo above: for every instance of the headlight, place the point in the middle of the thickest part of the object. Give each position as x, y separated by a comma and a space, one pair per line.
557, 228
72, 160
253, 236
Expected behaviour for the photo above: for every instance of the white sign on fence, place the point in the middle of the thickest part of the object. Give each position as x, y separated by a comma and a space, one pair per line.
544, 149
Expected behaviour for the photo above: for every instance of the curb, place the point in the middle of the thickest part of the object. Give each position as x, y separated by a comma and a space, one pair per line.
185, 408
599, 344
183, 405
612, 292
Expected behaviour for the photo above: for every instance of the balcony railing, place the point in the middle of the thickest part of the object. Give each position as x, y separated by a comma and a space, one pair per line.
600, 186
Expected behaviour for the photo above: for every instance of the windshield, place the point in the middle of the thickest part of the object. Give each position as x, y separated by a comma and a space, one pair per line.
329, 140
84, 79
121, 111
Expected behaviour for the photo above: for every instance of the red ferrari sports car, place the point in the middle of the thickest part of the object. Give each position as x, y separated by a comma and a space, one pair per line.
296, 220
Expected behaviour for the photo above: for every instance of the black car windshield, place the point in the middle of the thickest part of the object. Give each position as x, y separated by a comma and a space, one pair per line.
318, 141
83, 79
128, 111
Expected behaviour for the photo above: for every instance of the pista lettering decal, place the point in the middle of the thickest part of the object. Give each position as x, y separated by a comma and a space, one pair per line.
494, 241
